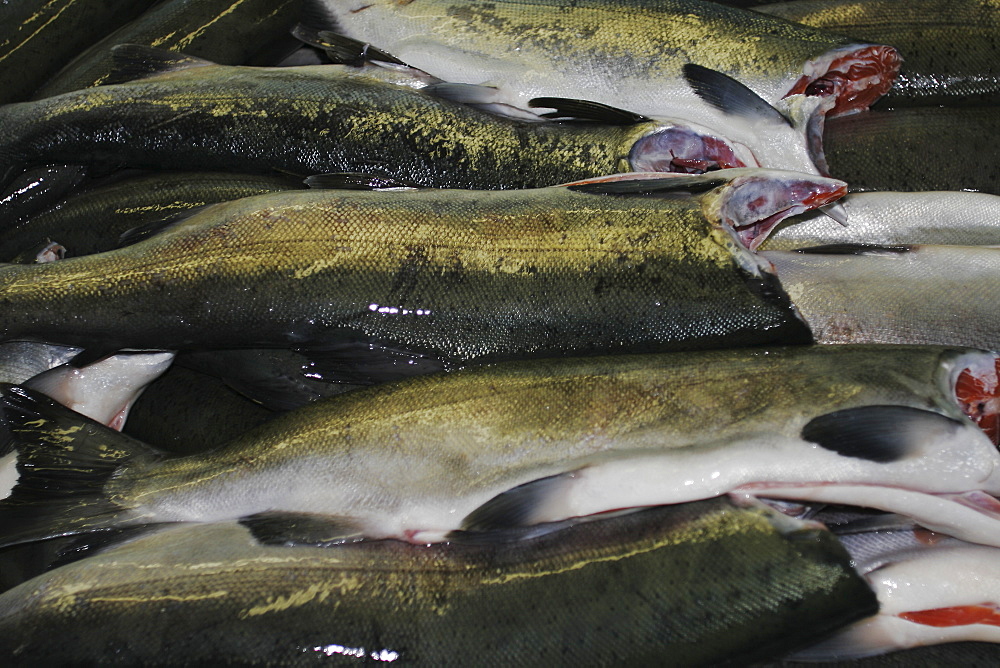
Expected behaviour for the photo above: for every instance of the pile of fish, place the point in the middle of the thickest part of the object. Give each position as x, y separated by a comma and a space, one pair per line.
455, 332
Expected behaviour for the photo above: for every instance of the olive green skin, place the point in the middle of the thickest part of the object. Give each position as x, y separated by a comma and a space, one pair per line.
458, 275
950, 48
302, 121
93, 221
683, 585
916, 148
225, 31
38, 37
627, 53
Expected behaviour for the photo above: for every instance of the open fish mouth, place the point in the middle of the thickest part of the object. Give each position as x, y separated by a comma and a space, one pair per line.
977, 391
754, 209
682, 149
855, 75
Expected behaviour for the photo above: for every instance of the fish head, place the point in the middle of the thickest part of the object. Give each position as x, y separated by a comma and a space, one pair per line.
685, 148
974, 382
807, 115
855, 76
753, 201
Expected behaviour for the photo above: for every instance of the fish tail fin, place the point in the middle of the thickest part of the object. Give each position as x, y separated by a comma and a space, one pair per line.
64, 461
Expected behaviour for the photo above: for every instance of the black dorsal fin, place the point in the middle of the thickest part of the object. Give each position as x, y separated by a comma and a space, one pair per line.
855, 249
730, 96
585, 111
136, 61
356, 181
667, 185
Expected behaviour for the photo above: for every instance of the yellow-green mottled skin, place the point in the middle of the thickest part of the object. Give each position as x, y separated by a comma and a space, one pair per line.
224, 31
38, 37
94, 220
950, 48
474, 433
691, 584
460, 275
305, 120
631, 51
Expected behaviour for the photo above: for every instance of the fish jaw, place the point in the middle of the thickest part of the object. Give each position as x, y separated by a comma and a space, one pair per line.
753, 204
856, 76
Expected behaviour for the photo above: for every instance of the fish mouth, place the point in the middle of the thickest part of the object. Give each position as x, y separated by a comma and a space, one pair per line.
682, 149
977, 391
856, 76
759, 204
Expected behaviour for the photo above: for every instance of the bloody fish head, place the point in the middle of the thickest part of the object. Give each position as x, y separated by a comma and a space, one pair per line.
756, 203
685, 150
855, 75
977, 391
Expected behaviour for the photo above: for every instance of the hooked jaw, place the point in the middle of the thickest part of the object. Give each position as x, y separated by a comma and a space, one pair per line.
855, 75
756, 204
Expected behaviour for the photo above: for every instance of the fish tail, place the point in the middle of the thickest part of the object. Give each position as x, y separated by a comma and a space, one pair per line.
64, 461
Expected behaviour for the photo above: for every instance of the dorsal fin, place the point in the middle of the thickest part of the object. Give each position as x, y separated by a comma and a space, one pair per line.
356, 181
570, 110
855, 249
342, 49
135, 61
666, 185
730, 96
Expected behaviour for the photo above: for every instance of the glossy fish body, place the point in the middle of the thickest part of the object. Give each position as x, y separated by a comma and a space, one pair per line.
226, 31
455, 276
915, 149
700, 583
922, 294
94, 220
950, 49
529, 442
317, 119
626, 54
894, 218
38, 37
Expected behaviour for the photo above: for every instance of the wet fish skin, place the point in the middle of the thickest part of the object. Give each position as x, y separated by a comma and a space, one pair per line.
915, 149
226, 31
894, 218
94, 220
699, 583
415, 271
38, 37
950, 49
417, 460
304, 121
918, 295
624, 53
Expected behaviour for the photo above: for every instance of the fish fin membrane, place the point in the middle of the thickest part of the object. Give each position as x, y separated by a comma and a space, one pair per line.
137, 61
585, 111
364, 363
154, 227
666, 186
854, 249
730, 96
64, 460
343, 50
301, 529
881, 434
95, 542
356, 181
517, 507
